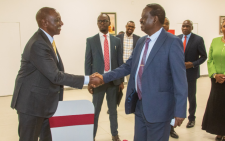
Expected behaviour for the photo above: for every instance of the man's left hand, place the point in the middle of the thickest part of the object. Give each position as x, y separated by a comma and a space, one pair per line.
178, 121
189, 65
121, 87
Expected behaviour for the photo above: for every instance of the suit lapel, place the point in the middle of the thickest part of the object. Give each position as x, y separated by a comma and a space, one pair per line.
134, 41
60, 64
112, 47
49, 44
98, 45
122, 38
189, 43
158, 44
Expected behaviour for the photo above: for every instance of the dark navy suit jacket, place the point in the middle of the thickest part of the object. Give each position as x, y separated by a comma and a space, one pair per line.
164, 82
195, 53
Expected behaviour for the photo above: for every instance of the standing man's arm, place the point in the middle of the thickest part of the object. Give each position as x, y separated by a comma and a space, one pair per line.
88, 59
120, 62
178, 70
202, 53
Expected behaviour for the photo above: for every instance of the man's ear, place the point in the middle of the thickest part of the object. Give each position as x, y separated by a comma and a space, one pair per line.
156, 19
44, 23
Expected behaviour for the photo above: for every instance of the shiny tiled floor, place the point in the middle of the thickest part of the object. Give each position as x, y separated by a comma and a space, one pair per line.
9, 122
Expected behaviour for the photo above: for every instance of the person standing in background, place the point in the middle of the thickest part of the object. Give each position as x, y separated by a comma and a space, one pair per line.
166, 26
121, 32
195, 55
128, 42
214, 117
104, 54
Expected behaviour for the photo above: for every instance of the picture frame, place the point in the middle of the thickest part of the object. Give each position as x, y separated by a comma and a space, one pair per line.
221, 19
113, 20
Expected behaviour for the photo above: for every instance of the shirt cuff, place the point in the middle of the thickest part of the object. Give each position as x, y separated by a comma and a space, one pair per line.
86, 80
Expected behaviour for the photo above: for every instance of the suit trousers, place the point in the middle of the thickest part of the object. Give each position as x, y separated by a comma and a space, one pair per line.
111, 96
192, 99
31, 127
146, 131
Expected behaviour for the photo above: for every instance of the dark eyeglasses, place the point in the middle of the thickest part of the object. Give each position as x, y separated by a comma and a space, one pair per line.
102, 21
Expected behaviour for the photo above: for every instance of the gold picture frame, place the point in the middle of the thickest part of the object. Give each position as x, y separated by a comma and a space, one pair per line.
222, 18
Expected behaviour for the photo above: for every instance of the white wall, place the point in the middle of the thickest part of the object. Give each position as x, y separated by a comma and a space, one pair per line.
80, 21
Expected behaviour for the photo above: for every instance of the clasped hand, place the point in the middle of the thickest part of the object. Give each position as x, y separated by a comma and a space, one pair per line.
96, 80
220, 78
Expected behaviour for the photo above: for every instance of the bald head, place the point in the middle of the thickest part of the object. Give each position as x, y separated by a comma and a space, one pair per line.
187, 27
49, 20
43, 13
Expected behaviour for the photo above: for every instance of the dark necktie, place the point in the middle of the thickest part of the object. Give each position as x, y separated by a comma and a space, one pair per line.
141, 68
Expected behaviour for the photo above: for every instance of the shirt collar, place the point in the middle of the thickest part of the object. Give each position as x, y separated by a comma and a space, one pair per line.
125, 34
154, 36
101, 34
187, 35
49, 37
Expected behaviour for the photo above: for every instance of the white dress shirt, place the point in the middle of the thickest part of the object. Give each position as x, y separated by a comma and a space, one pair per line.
127, 47
102, 40
86, 78
153, 38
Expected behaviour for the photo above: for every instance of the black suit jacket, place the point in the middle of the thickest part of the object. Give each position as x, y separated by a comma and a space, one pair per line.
135, 39
40, 80
195, 52
94, 59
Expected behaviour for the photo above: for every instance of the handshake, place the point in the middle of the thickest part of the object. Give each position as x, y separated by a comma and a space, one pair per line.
96, 80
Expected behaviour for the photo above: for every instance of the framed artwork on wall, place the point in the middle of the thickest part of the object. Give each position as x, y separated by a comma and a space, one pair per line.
113, 26
222, 18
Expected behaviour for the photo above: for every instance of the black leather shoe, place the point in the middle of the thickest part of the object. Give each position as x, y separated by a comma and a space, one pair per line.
218, 139
190, 124
173, 134
115, 138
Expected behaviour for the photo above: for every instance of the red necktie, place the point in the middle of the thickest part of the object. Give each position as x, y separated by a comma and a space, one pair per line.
185, 41
141, 68
106, 54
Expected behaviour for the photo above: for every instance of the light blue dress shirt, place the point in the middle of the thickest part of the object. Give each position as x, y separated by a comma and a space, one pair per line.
86, 78
153, 38
188, 37
51, 39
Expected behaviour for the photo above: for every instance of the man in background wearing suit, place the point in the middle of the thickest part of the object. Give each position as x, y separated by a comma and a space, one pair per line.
166, 26
195, 55
128, 42
104, 54
39, 83
157, 90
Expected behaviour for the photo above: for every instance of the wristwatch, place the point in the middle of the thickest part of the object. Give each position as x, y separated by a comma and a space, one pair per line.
214, 75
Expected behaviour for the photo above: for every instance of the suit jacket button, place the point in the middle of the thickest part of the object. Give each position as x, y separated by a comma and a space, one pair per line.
58, 92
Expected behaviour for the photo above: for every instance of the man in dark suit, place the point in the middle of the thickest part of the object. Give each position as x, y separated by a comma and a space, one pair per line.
157, 90
39, 83
128, 42
104, 54
195, 55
